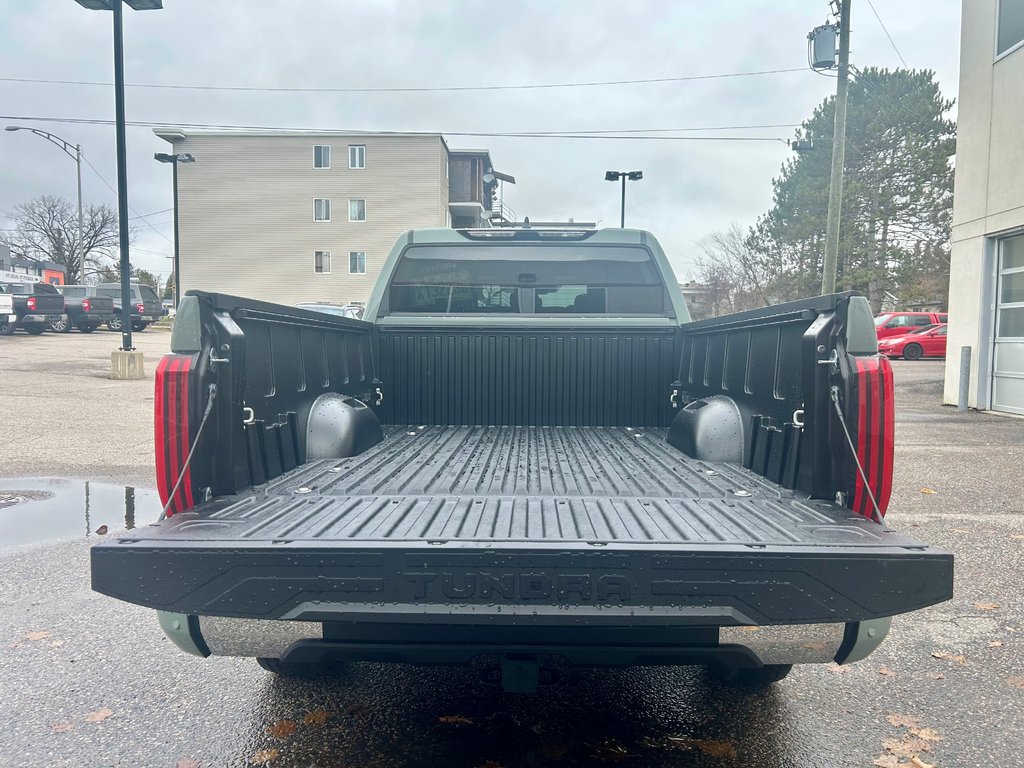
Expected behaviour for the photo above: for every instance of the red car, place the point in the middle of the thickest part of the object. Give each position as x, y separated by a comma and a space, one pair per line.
929, 341
899, 323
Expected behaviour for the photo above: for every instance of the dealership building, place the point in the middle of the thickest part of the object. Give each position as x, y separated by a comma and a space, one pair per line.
986, 281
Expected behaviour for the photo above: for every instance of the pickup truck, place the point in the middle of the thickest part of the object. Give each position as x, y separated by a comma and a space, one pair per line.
8, 320
84, 309
146, 305
35, 306
525, 451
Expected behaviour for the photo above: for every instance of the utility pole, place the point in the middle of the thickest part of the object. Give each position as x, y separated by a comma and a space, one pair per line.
835, 189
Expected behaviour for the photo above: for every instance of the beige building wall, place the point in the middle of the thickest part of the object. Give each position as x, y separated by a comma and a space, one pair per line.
246, 210
989, 190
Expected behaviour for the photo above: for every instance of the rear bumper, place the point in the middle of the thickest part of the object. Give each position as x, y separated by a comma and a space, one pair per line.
555, 585
315, 642
40, 318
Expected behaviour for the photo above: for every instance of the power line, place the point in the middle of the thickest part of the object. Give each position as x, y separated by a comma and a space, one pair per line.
111, 188
408, 89
478, 134
891, 41
154, 213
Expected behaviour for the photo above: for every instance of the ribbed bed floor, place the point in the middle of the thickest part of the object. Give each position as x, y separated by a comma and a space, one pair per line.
541, 484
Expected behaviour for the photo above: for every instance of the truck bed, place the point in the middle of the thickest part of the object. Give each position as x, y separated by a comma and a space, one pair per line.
608, 522
525, 484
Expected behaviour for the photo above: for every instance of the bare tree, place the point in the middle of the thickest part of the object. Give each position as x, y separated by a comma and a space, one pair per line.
736, 276
46, 229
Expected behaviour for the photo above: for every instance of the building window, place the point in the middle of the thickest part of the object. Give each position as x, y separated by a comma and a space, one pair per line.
322, 209
322, 262
357, 262
321, 155
1009, 26
357, 210
357, 156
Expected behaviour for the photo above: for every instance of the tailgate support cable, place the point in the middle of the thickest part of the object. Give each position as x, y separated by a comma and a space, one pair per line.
192, 450
877, 517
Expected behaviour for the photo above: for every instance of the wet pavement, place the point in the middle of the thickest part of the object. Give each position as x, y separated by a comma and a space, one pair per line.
91, 681
42, 509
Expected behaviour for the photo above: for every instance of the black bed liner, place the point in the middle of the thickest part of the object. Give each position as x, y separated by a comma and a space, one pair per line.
611, 522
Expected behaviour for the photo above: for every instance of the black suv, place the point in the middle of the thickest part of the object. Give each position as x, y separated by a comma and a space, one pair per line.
146, 305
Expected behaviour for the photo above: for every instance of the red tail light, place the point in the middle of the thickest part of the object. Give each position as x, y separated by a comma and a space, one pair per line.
86, 305
31, 302
874, 438
140, 308
171, 430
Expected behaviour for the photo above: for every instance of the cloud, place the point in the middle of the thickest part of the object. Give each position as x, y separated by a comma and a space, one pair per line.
689, 189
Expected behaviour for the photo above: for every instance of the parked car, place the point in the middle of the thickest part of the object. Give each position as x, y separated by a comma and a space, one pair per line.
929, 341
84, 309
146, 306
899, 323
525, 448
354, 311
35, 306
7, 317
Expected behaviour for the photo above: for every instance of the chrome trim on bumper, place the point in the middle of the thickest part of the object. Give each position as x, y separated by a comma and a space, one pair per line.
788, 643
255, 637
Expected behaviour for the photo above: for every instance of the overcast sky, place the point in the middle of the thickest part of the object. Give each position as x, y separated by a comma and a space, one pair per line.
690, 188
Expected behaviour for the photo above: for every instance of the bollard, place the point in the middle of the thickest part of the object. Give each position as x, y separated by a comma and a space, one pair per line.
965, 378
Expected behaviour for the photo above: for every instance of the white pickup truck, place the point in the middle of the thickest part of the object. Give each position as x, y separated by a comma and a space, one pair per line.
7, 316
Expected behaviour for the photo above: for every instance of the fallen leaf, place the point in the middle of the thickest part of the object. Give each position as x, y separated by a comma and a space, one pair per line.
62, 727
282, 729
187, 762
885, 671
926, 733
995, 643
986, 606
906, 747
936, 676
903, 721
455, 720
715, 748
316, 717
1017, 536
836, 669
265, 756
102, 530
886, 761
959, 658
56, 643
917, 762
928, 490
1016, 682
99, 715
40, 635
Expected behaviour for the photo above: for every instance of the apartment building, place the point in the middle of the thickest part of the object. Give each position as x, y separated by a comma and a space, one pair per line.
986, 277
298, 216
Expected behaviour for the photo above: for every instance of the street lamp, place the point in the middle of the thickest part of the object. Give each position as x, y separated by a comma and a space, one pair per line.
615, 176
132, 368
66, 148
185, 157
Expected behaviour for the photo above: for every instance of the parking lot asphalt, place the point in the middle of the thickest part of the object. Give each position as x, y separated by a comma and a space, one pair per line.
89, 681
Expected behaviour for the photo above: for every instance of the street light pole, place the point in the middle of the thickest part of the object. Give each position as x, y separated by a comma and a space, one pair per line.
129, 363
623, 175
66, 148
184, 157
122, 183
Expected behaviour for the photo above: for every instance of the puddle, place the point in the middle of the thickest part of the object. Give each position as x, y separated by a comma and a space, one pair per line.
43, 509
